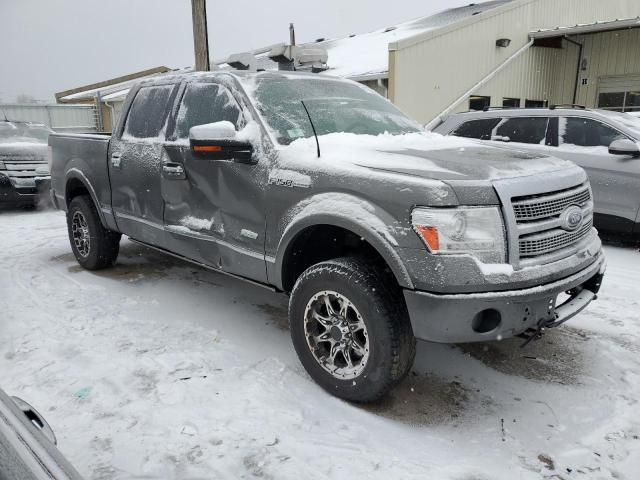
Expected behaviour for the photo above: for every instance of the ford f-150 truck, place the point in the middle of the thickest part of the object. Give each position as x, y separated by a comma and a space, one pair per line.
318, 187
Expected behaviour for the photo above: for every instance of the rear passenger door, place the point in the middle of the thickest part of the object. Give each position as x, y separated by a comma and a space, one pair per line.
135, 164
615, 179
215, 211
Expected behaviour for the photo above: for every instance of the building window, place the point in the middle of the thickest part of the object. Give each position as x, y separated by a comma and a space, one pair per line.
535, 104
479, 103
511, 102
620, 101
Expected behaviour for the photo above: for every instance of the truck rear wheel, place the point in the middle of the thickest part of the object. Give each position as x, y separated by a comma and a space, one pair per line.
94, 246
350, 329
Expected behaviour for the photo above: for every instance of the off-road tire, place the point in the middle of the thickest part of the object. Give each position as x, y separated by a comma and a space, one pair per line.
381, 305
103, 245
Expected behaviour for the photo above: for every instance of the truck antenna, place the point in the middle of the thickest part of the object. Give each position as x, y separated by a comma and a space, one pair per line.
5, 116
312, 126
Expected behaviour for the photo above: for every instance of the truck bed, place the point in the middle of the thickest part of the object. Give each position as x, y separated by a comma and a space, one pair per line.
82, 156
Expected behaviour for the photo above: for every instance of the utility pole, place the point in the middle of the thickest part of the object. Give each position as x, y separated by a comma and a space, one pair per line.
200, 35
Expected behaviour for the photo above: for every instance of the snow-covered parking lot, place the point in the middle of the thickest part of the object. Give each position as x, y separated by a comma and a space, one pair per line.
158, 369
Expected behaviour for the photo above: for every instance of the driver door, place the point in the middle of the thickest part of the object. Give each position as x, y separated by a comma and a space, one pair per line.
214, 210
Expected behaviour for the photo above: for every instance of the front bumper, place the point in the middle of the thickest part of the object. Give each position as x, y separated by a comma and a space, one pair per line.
31, 194
461, 318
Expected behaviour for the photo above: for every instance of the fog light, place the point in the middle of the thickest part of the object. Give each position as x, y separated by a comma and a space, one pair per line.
486, 321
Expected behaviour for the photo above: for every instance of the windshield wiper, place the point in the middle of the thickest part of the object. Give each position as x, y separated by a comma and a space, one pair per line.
312, 126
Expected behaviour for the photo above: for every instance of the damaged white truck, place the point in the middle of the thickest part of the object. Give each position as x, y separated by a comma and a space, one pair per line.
318, 187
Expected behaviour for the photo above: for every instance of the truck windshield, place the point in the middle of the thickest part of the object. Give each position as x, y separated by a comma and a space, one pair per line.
334, 105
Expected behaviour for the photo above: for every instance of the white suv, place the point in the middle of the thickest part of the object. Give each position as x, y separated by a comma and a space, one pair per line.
606, 144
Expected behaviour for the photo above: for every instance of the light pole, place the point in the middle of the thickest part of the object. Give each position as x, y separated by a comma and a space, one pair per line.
200, 34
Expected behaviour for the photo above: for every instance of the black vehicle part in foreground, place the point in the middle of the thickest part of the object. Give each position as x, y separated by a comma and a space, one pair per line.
27, 445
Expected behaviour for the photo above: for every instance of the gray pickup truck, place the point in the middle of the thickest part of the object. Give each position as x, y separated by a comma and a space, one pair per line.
318, 187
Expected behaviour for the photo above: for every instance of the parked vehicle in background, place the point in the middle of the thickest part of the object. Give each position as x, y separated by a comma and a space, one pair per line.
24, 172
28, 446
320, 188
605, 143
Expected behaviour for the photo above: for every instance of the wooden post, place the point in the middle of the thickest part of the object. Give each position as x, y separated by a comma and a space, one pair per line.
200, 35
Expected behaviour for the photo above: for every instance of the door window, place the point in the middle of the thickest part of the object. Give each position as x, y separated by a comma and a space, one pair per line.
523, 130
584, 132
148, 113
204, 103
480, 129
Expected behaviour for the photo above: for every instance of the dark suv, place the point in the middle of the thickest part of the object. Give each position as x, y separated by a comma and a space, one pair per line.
605, 143
24, 173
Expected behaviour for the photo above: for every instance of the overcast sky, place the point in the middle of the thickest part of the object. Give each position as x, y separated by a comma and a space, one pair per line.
52, 45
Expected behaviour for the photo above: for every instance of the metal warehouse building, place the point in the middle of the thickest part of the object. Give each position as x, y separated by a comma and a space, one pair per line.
511, 53
522, 53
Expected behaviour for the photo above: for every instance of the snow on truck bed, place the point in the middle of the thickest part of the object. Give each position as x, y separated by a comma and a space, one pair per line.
159, 369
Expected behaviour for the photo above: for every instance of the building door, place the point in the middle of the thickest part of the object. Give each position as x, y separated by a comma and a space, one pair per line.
620, 94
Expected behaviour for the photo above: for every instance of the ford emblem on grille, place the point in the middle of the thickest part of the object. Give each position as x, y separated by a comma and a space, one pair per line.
571, 218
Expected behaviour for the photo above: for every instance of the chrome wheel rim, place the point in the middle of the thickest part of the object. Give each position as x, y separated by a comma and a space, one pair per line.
336, 334
80, 233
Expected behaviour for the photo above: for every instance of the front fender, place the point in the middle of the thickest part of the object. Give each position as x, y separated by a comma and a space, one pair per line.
365, 219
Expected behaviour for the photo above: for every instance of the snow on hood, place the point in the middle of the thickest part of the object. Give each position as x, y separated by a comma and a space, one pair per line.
427, 155
36, 151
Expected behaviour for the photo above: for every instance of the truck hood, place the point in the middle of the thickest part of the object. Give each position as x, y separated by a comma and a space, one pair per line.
23, 151
431, 156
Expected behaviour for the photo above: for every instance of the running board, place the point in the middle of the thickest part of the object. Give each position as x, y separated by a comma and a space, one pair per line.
204, 265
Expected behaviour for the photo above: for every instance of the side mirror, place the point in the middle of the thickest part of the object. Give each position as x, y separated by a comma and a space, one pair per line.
218, 141
624, 146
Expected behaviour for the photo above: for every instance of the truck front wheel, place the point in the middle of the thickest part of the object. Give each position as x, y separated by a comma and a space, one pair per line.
94, 246
350, 329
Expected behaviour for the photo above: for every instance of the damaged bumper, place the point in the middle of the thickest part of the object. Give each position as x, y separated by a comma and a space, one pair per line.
461, 318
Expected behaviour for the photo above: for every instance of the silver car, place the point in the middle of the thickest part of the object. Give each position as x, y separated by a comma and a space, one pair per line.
606, 144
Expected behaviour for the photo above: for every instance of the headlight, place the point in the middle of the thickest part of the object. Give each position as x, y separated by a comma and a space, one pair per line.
477, 231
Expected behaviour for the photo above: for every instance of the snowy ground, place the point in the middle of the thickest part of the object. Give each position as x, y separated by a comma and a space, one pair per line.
157, 369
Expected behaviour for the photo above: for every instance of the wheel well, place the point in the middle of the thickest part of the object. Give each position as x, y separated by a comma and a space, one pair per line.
73, 189
323, 242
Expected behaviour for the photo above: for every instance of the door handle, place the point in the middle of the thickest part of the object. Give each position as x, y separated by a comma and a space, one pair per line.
174, 171
115, 160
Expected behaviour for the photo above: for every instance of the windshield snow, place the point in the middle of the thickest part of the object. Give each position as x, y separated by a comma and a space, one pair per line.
335, 106
19, 132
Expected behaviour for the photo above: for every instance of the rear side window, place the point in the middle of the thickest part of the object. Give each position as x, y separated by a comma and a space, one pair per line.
585, 132
204, 103
148, 113
524, 130
480, 129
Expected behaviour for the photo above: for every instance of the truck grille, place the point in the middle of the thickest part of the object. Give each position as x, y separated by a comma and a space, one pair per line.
551, 240
540, 207
23, 173
539, 225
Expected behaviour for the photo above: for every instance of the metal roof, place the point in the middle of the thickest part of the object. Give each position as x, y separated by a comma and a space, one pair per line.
595, 27
366, 56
